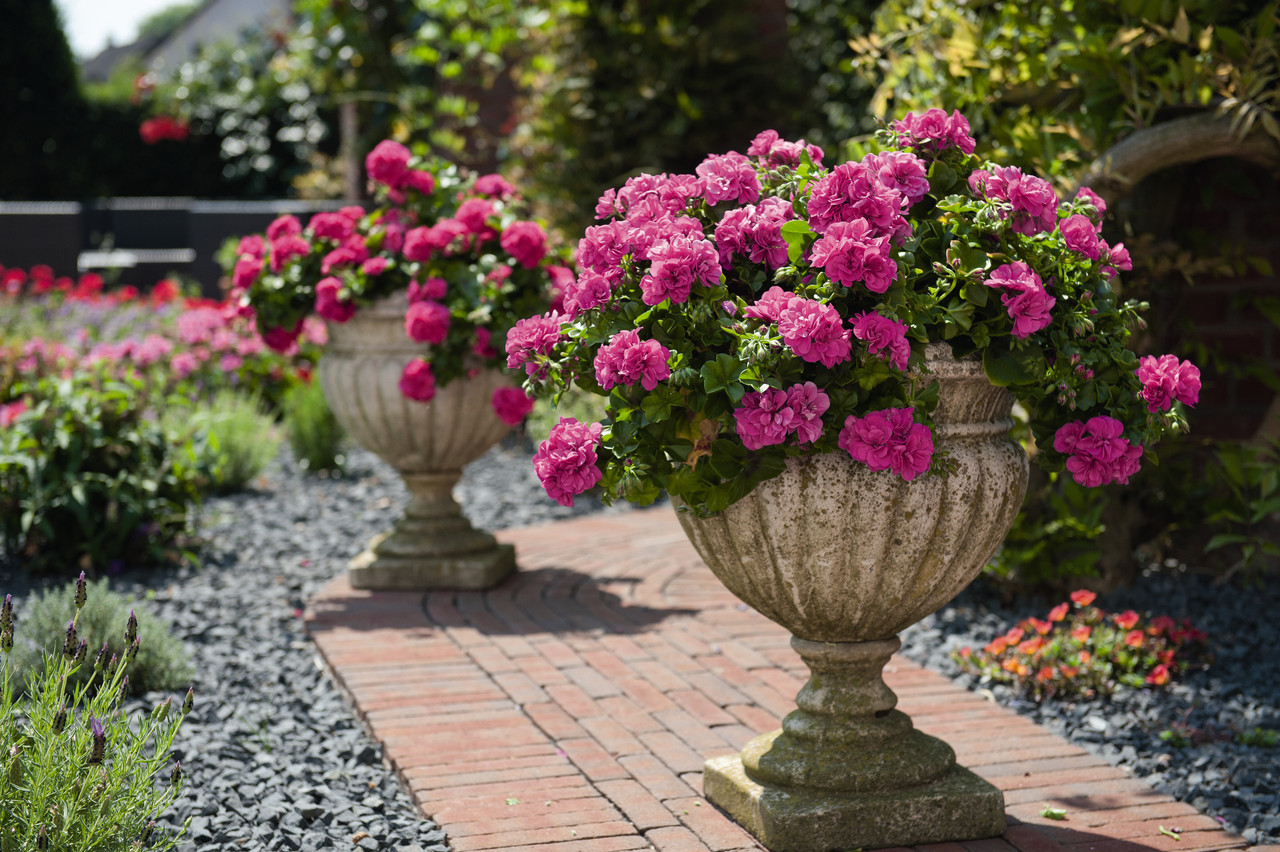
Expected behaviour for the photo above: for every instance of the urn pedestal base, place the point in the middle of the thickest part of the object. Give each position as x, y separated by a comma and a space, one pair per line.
958, 806
432, 546
847, 770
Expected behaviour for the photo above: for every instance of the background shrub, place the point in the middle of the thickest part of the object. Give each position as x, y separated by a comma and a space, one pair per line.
314, 434
88, 477
238, 437
163, 662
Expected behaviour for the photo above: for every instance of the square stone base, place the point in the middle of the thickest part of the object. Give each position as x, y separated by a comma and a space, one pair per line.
959, 806
465, 572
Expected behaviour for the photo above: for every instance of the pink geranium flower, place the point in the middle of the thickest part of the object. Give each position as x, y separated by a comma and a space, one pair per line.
388, 163
676, 264
530, 338
328, 303
566, 462
427, 322
526, 242
626, 359
849, 252
1097, 453
1165, 379
884, 337
511, 405
1080, 236
589, 290
889, 439
417, 382
729, 177
814, 331
1023, 296
764, 418
770, 305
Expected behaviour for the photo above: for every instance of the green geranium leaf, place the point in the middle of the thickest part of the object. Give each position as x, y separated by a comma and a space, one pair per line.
1006, 368
722, 375
657, 405
941, 177
797, 233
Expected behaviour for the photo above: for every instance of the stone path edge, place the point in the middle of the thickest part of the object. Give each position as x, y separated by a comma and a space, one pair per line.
571, 708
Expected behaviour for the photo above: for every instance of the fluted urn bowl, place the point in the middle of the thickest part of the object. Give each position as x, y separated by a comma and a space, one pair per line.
432, 545
844, 558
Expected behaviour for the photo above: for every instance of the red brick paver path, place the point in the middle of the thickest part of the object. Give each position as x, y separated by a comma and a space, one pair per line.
572, 708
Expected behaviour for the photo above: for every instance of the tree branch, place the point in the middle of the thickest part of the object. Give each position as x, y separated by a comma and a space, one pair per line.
1182, 140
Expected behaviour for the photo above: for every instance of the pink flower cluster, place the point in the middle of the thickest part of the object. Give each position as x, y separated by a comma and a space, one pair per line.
934, 131
850, 252
1097, 453
388, 164
889, 439
530, 338
1032, 203
676, 263
417, 382
1024, 297
566, 462
754, 232
884, 337
769, 417
1166, 379
853, 191
427, 321
626, 359
776, 151
728, 177
511, 405
814, 331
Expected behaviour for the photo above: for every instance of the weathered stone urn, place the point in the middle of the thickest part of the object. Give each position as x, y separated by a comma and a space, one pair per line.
432, 546
845, 558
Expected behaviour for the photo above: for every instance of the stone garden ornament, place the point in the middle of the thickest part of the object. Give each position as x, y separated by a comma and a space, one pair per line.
820, 367
419, 295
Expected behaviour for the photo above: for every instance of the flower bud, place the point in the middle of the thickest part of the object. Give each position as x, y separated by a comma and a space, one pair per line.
6, 640
175, 777
132, 651
99, 660
161, 711
70, 644
15, 766
60, 719
124, 688
190, 701
131, 629
42, 838
148, 830
6, 613
111, 664
99, 749
81, 652
82, 591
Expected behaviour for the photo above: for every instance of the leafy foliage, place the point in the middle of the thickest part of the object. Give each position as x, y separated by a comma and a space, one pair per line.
87, 478
1053, 86
314, 434
239, 437
636, 86
161, 661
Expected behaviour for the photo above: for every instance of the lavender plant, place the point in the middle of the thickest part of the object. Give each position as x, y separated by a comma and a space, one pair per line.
79, 773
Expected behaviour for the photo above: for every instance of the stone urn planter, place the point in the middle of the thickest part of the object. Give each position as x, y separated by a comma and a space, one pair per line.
432, 546
845, 558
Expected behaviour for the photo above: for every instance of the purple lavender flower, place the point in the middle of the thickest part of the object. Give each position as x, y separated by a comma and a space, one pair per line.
99, 749
82, 591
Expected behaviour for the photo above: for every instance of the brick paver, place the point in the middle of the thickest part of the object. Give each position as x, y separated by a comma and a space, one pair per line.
571, 709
